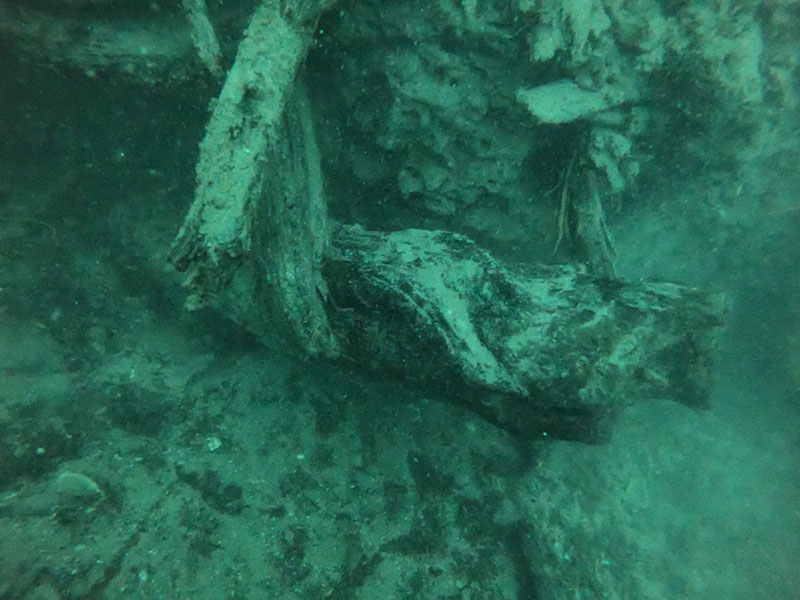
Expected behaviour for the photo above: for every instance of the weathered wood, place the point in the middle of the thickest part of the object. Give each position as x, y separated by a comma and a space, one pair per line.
520, 346
253, 240
531, 348
153, 51
121, 39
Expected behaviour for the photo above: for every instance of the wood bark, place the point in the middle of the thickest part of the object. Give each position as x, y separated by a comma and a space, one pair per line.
253, 240
535, 349
531, 348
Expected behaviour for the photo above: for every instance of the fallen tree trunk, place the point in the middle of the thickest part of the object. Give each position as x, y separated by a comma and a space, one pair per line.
252, 243
534, 349
525, 347
152, 50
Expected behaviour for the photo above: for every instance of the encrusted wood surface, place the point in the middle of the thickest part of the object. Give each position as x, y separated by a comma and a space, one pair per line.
532, 348
521, 346
253, 239
154, 50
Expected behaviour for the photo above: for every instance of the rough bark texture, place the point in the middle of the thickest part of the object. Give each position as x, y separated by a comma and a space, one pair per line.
520, 346
531, 348
149, 50
253, 239
528, 347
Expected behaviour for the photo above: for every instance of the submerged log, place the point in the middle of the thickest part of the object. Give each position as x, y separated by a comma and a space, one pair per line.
530, 348
253, 240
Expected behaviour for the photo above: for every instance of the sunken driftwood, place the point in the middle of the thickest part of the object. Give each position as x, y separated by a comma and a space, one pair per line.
531, 348
141, 42
153, 49
527, 347
253, 240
